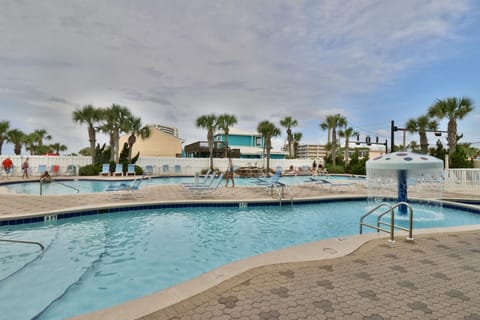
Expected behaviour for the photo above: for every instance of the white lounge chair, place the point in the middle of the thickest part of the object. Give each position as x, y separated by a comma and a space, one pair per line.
166, 168
199, 191
268, 182
118, 170
339, 186
122, 190
206, 179
178, 169
41, 169
148, 169
105, 169
131, 170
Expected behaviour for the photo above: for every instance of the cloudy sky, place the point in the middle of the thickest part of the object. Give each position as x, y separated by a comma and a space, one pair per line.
170, 62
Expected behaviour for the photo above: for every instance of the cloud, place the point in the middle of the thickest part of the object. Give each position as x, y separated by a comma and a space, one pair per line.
171, 62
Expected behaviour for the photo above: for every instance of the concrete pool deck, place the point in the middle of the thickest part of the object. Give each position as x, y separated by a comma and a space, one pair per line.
357, 277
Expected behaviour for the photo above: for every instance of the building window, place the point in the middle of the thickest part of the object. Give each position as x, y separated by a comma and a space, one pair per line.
258, 141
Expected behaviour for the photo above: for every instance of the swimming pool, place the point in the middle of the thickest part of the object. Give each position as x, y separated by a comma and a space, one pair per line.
97, 261
63, 186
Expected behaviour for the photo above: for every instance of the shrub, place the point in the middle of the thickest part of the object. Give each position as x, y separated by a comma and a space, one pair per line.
90, 170
335, 169
138, 170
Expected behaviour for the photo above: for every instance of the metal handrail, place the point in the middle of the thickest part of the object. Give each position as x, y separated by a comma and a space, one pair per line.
392, 220
67, 185
63, 184
372, 211
410, 218
281, 194
378, 227
24, 241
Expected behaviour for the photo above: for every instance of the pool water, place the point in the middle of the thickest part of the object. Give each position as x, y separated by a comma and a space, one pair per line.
89, 186
94, 262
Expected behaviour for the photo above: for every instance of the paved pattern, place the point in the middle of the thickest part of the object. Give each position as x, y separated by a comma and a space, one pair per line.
434, 277
17, 204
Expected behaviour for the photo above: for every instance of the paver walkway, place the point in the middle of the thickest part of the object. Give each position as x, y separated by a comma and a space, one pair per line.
435, 277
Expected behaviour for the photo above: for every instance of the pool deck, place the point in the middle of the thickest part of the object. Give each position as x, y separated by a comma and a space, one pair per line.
436, 276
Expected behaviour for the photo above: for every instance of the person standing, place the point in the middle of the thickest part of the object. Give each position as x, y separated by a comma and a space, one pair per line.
229, 173
7, 165
25, 168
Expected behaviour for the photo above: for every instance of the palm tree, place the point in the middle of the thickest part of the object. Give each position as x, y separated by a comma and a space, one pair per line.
413, 146
268, 131
328, 125
224, 122
17, 137
288, 123
57, 147
4, 126
421, 125
91, 116
334, 121
34, 141
136, 129
208, 122
453, 109
347, 133
115, 120
297, 136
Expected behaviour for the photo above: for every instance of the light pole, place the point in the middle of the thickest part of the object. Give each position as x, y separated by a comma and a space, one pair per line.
394, 128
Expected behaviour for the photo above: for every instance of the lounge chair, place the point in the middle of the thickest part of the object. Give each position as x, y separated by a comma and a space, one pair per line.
166, 168
267, 182
41, 169
54, 169
105, 169
206, 179
334, 185
178, 169
275, 186
122, 190
148, 169
199, 191
130, 170
118, 170
71, 170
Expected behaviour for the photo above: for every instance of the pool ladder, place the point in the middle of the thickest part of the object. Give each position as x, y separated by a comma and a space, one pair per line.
26, 242
389, 209
281, 192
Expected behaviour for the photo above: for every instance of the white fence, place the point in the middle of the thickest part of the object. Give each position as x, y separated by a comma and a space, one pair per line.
36, 163
462, 178
161, 166
189, 166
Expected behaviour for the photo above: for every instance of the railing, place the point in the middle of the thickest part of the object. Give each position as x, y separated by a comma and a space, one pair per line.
281, 192
390, 209
63, 184
24, 241
462, 178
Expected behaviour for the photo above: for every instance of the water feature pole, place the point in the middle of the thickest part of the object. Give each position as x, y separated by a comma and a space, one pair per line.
402, 191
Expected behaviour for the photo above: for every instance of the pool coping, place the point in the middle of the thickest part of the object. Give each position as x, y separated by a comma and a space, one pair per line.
323, 249
85, 210
319, 250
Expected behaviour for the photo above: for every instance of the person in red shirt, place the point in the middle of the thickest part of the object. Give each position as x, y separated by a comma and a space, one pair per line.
7, 165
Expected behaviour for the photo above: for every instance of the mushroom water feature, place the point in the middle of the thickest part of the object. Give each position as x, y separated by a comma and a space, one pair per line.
396, 171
